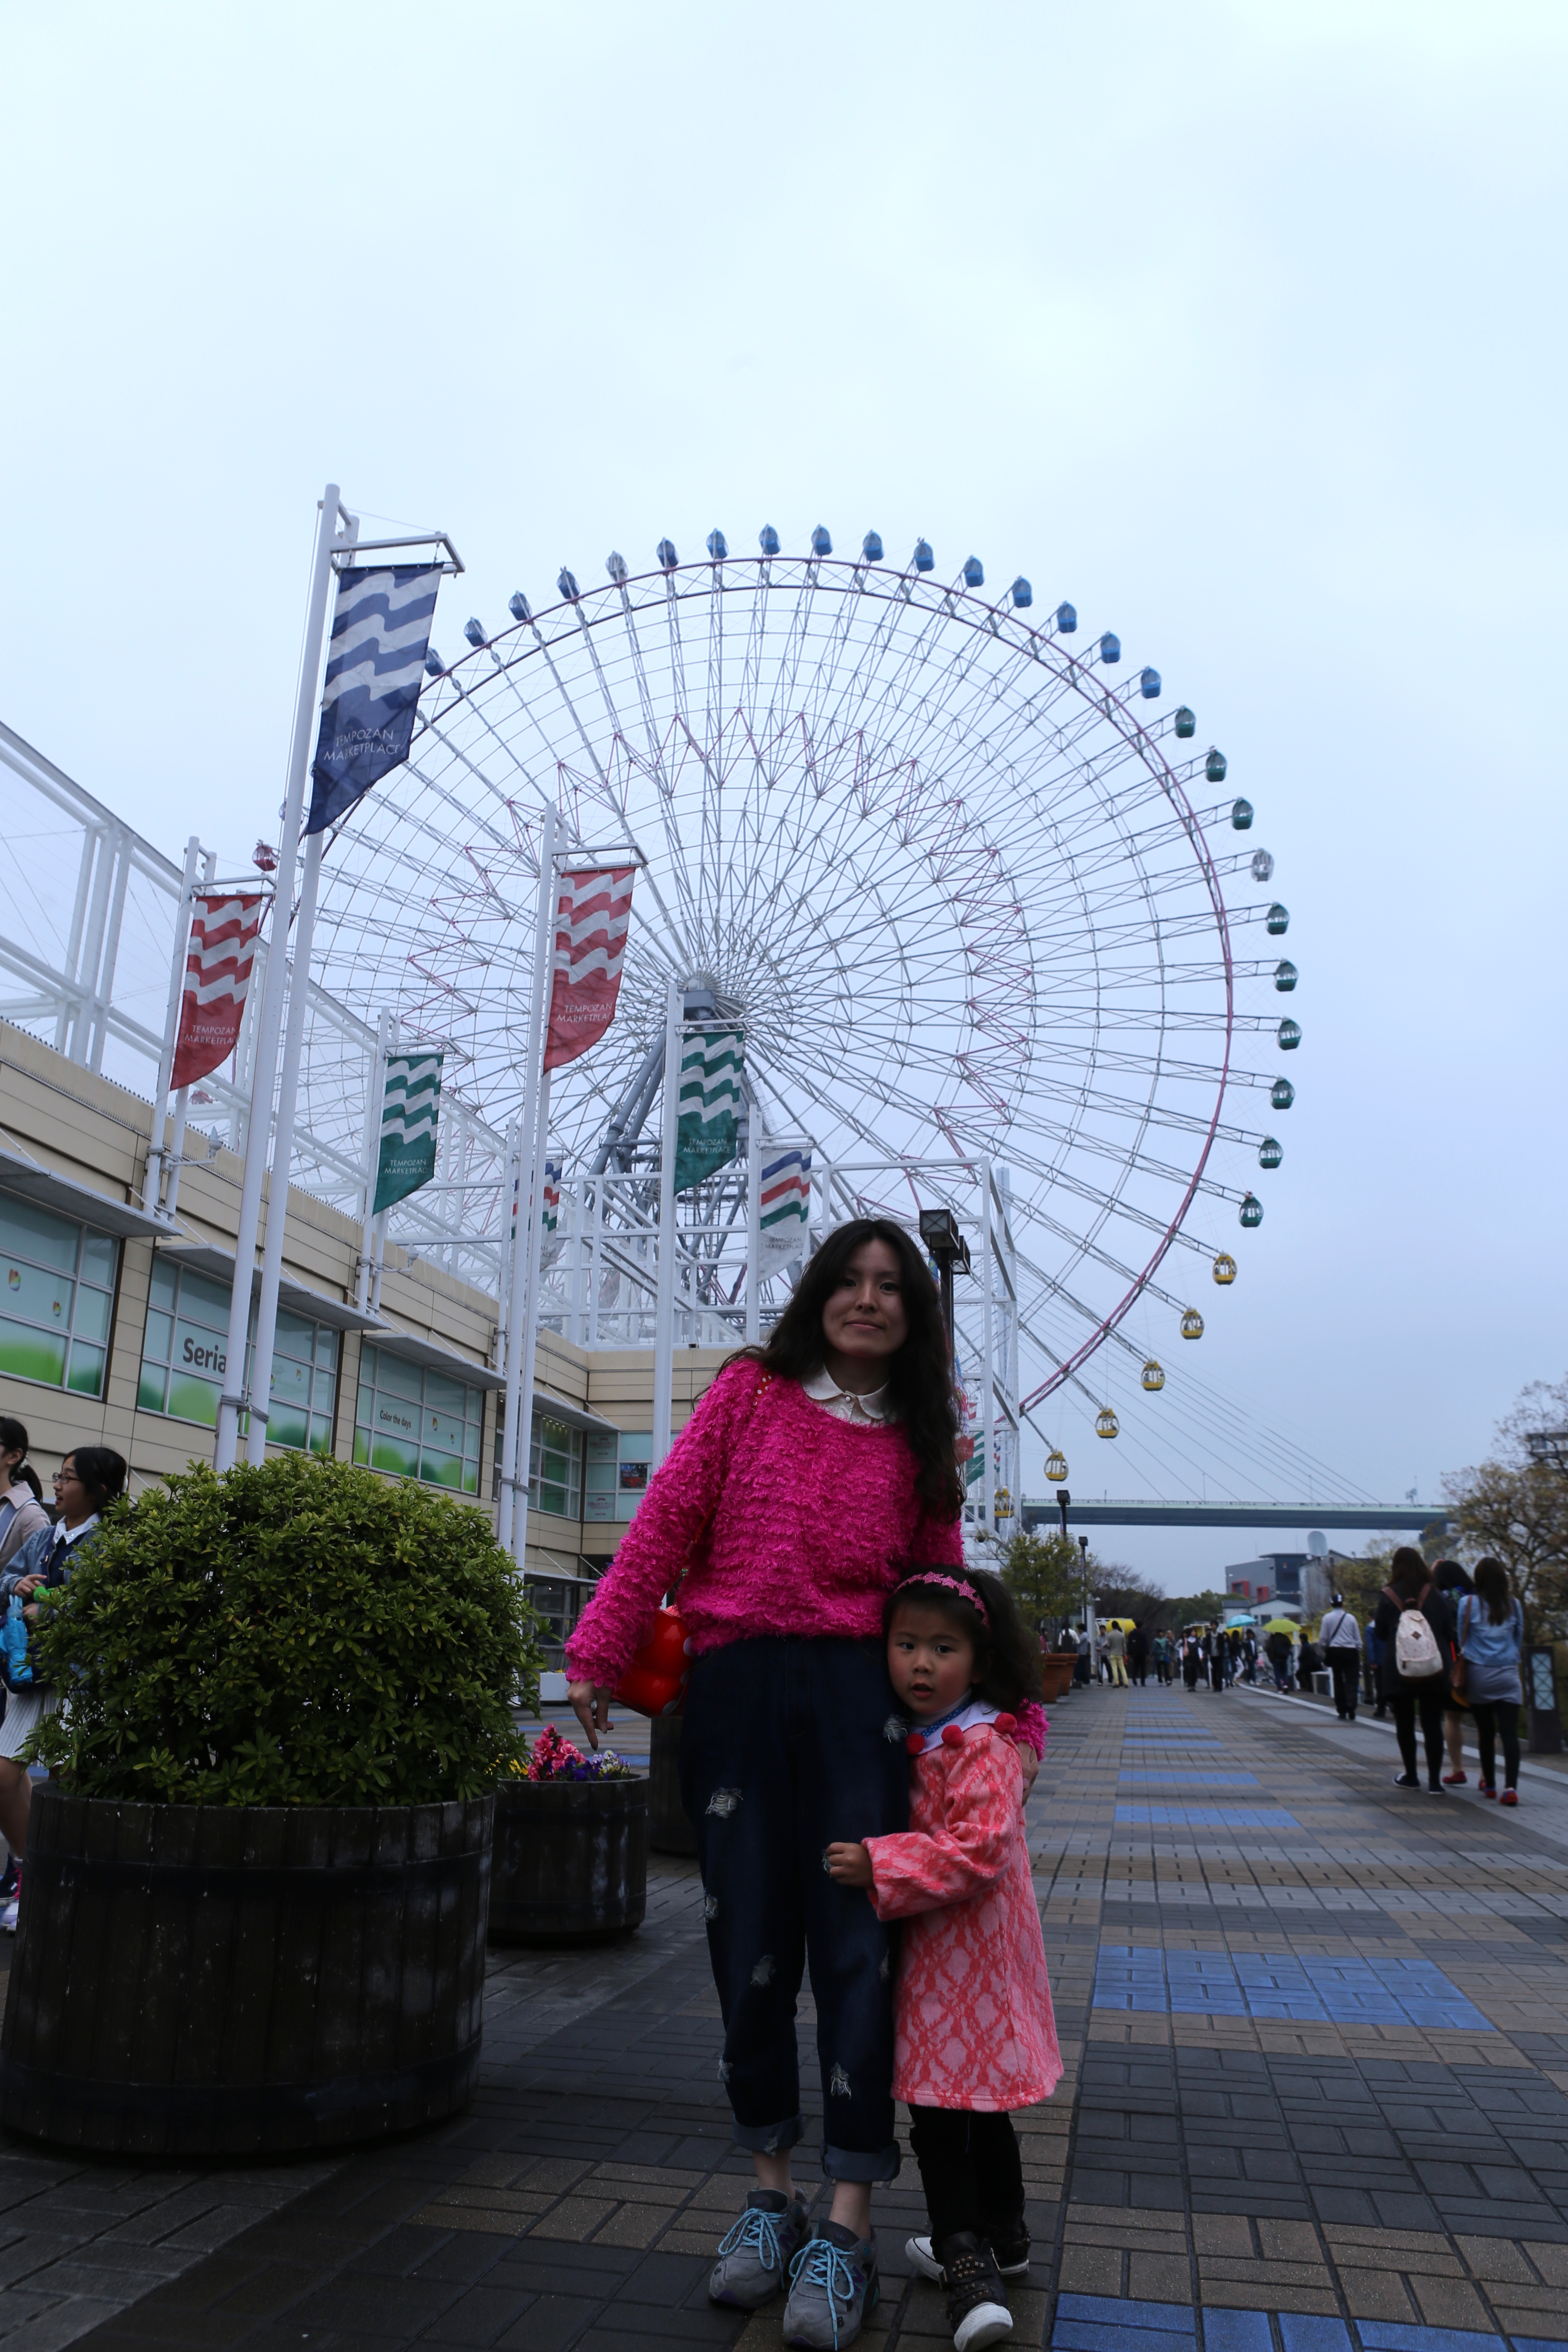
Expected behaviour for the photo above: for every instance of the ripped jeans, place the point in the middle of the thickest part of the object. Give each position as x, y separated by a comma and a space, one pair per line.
788, 1745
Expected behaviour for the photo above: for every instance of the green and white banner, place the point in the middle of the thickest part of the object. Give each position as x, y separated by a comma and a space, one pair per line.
709, 1105
410, 1109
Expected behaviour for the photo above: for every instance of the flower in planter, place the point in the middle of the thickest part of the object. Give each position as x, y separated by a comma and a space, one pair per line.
555, 1759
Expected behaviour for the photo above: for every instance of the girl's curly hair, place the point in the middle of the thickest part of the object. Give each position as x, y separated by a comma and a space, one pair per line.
1006, 1655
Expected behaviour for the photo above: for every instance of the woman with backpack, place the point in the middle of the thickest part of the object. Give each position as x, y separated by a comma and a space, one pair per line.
1416, 1632
1491, 1643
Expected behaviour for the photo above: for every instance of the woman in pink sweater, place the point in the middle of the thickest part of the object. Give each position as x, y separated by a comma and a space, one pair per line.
813, 1473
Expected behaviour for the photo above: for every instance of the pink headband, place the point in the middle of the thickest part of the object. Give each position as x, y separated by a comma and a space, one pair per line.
964, 1591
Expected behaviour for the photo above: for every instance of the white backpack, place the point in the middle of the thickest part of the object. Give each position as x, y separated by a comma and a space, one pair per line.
1415, 1653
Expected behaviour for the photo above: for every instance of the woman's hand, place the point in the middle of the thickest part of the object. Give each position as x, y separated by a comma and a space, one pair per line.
27, 1585
850, 1865
591, 1706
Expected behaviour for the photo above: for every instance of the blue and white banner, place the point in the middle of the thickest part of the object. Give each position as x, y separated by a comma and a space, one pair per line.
374, 666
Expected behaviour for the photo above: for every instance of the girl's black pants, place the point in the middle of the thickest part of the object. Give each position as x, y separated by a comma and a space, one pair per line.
970, 2170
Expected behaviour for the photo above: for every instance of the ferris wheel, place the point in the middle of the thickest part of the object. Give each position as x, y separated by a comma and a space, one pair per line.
974, 889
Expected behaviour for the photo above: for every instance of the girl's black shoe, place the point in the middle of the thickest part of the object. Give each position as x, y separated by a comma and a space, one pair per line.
977, 2309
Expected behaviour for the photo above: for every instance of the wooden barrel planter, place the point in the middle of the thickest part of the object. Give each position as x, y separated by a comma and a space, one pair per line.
1057, 1673
244, 1981
571, 1861
669, 1830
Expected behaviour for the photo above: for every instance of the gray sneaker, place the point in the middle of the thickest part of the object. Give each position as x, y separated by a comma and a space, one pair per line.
754, 2254
833, 2285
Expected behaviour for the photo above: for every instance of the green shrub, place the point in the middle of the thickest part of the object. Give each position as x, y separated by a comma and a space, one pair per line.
301, 1633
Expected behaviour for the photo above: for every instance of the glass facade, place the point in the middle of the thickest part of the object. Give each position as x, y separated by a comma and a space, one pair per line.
57, 1296
184, 1359
618, 1473
417, 1424
555, 1469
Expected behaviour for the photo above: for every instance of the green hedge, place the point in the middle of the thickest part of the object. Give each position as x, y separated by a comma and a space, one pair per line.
300, 1633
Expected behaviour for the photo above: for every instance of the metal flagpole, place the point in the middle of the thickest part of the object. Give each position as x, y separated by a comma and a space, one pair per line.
378, 1222
283, 1130
509, 1235
987, 1345
525, 1208
153, 1183
753, 1220
664, 1317
232, 1401
533, 1246
374, 1099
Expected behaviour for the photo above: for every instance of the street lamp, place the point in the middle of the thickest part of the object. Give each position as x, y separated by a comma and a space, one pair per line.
946, 1244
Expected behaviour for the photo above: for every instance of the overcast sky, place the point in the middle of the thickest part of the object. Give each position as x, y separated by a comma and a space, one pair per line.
1241, 326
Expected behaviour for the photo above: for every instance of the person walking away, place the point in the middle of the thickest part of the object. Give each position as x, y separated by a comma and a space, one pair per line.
1417, 1636
813, 1473
1138, 1656
1192, 1662
974, 2034
1452, 1581
1115, 1649
1489, 1630
1214, 1642
22, 1513
1081, 1673
1373, 1649
87, 1482
1340, 1637
1276, 1649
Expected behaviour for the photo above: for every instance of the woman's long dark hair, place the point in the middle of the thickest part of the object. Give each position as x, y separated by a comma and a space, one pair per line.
919, 1376
1491, 1585
1409, 1573
1006, 1655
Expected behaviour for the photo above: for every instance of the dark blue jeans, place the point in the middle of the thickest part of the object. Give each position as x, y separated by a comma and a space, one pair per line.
788, 1746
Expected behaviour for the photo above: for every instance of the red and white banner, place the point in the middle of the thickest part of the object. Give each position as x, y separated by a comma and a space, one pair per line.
593, 916
217, 974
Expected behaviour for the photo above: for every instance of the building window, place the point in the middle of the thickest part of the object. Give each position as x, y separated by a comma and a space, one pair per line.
184, 1360
617, 1474
555, 1469
57, 1297
417, 1424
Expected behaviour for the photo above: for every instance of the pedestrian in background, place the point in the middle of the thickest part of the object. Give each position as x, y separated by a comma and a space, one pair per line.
1115, 1647
1138, 1656
22, 1513
1340, 1637
1490, 1636
1414, 1672
1276, 1649
1372, 1643
1451, 1580
1191, 1661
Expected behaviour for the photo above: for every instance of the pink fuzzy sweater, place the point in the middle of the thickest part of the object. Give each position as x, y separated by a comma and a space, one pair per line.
810, 1521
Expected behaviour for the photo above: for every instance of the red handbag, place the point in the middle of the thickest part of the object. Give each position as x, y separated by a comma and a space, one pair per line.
655, 1682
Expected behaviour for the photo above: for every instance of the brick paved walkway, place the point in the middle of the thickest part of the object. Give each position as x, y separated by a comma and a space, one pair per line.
1316, 2040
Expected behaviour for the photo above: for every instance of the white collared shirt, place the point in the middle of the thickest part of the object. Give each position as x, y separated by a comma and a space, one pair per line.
69, 1542
966, 1716
843, 1404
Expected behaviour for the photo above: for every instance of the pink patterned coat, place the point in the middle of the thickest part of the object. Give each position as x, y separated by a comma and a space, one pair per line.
973, 2025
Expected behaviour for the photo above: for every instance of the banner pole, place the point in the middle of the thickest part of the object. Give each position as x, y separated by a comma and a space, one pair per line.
232, 1401
753, 1219
987, 1349
664, 1318
533, 1249
151, 1184
526, 1206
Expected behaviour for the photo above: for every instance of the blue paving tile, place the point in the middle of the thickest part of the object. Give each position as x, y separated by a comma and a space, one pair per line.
1391, 2336
1540, 2343
1193, 1779
1201, 1817
1304, 2334
1110, 2311
1238, 2331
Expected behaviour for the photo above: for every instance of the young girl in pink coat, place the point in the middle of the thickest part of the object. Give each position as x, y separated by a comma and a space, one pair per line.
974, 2029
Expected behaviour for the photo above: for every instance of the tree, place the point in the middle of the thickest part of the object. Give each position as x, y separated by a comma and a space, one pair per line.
1514, 1508
1043, 1573
1123, 1592
1193, 1608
